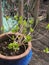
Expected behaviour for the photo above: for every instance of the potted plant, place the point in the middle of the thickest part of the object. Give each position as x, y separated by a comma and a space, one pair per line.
15, 46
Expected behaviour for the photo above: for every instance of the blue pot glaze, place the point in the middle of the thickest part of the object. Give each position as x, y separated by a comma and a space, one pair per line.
23, 61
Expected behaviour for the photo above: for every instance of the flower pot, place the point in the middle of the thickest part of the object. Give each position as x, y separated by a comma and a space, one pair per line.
22, 59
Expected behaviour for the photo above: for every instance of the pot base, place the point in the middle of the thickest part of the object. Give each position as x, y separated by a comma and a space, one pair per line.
23, 61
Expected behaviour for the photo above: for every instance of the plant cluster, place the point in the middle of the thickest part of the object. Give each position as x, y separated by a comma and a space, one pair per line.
24, 27
46, 50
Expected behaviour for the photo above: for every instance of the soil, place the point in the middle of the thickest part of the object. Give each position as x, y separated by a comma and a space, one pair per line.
4, 41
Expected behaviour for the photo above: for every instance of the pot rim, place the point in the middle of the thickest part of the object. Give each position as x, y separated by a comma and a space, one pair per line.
19, 56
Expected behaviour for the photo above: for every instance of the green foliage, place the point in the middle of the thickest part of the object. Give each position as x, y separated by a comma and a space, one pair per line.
31, 30
46, 50
27, 28
28, 38
24, 31
13, 46
13, 37
15, 29
47, 27
21, 18
20, 21
7, 17
31, 21
16, 17
2, 28
24, 23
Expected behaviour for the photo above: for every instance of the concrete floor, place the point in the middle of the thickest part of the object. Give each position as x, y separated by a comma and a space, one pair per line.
40, 58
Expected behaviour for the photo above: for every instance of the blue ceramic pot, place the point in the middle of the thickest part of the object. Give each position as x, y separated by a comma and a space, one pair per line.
23, 61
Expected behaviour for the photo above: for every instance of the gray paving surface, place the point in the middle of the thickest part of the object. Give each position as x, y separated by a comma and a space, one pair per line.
40, 58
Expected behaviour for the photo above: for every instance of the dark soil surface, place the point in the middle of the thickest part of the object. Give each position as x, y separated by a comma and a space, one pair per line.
4, 42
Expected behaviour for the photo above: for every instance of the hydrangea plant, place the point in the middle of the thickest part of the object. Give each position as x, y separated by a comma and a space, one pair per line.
24, 27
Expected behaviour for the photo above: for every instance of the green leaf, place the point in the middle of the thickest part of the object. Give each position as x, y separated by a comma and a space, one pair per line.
31, 21
10, 46
24, 31
28, 38
31, 30
2, 28
24, 23
21, 18
46, 50
7, 17
47, 27
16, 29
20, 21
16, 17
13, 37
13, 46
